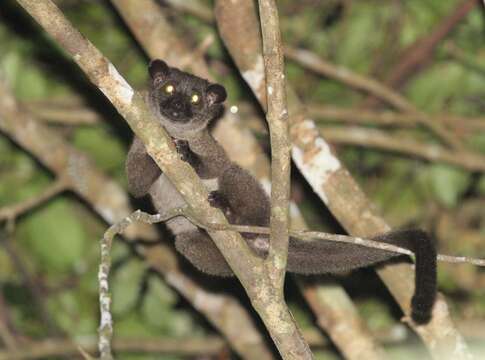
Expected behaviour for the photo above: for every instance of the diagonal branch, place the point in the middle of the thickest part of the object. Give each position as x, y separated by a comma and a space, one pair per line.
132, 107
360, 82
110, 201
460, 124
329, 178
420, 53
378, 139
12, 211
332, 306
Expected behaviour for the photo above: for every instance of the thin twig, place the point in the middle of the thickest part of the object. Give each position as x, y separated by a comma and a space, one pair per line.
158, 38
106, 320
420, 53
329, 178
304, 235
13, 211
160, 147
63, 114
295, 346
359, 136
193, 7
311, 61
191, 346
308, 235
469, 61
461, 124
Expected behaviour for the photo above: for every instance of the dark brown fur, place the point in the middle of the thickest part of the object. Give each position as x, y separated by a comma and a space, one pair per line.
241, 197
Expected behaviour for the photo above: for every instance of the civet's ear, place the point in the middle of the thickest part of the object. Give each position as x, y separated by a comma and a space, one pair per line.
216, 94
158, 69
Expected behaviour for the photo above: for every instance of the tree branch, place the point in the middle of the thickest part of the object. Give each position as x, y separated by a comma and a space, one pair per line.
277, 117
110, 201
461, 124
420, 53
311, 61
327, 176
131, 105
338, 310
13, 211
378, 139
356, 341
209, 345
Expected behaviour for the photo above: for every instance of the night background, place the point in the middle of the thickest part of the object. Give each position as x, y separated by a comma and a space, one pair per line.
397, 87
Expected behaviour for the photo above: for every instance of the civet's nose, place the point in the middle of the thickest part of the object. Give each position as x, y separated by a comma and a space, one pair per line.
178, 105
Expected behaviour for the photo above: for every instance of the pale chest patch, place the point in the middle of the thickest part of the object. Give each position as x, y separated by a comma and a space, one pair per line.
211, 184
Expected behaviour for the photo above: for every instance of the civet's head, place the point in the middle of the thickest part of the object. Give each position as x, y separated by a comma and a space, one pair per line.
185, 102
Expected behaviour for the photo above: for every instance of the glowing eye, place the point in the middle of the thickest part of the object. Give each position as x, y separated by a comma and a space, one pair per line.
195, 98
169, 89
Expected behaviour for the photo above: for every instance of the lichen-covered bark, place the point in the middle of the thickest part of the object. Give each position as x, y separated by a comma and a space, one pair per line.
110, 201
333, 182
277, 117
265, 296
246, 152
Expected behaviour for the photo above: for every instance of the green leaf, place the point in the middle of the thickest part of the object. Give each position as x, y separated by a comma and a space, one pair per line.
481, 185
54, 236
106, 149
72, 311
125, 286
448, 183
7, 270
356, 49
158, 311
31, 83
132, 325
424, 93
477, 142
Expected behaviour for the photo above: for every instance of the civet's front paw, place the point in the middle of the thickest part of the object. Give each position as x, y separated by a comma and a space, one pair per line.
183, 149
219, 201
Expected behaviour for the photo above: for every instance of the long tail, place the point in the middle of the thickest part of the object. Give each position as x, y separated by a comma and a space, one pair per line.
318, 257
423, 246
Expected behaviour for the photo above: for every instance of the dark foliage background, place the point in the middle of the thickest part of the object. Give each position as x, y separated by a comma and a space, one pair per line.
49, 256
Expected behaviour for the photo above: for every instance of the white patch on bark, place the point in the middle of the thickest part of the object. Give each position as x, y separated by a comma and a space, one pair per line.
106, 319
211, 184
123, 89
318, 167
255, 76
310, 132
